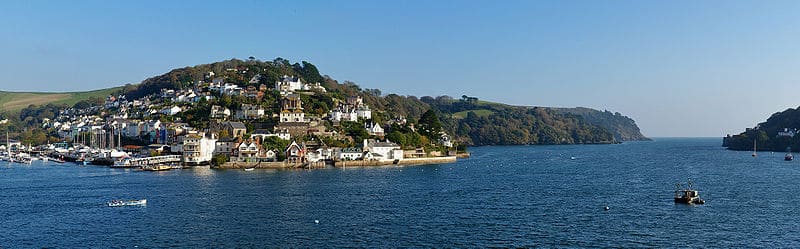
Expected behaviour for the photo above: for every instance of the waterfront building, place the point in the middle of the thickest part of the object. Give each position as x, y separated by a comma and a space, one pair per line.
198, 148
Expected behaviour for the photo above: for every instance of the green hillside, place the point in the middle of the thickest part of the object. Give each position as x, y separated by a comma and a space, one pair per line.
15, 101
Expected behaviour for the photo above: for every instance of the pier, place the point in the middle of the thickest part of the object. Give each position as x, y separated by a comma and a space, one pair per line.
152, 160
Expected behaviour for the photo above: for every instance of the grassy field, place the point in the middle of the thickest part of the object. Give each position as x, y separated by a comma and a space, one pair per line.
480, 113
14, 101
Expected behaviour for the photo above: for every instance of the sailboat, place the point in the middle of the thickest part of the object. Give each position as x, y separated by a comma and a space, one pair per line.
754, 148
788, 156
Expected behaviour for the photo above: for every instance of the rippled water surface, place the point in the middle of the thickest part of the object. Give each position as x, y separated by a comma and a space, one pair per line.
514, 196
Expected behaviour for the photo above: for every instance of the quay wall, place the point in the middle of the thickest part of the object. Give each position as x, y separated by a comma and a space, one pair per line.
268, 165
406, 161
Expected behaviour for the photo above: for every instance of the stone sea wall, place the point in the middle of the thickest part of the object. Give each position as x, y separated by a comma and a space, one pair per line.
407, 161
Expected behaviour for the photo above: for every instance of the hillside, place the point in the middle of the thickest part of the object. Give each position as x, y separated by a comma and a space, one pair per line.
410, 120
623, 128
479, 122
767, 135
11, 102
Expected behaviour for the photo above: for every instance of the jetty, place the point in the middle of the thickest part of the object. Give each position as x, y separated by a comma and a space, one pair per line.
147, 161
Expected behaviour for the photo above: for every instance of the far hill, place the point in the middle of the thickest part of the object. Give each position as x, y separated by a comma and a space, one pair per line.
776, 134
11, 102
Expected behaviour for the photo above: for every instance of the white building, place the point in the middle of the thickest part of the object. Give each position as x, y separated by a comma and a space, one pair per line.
292, 110
349, 154
250, 112
338, 115
363, 111
220, 112
248, 151
225, 146
787, 132
288, 84
171, 110
374, 129
198, 149
383, 150
445, 140
263, 134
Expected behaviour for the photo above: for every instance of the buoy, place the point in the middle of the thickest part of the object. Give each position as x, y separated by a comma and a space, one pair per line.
316, 221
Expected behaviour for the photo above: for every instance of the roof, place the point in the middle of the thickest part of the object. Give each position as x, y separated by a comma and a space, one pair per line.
384, 144
261, 131
351, 150
236, 125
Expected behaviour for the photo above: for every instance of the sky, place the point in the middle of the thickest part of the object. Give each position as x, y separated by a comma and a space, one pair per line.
679, 68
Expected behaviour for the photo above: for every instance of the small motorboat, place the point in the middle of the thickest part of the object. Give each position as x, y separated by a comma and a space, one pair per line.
249, 169
687, 195
120, 203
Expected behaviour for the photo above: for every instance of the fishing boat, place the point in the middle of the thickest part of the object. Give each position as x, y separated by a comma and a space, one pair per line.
120, 203
687, 195
788, 156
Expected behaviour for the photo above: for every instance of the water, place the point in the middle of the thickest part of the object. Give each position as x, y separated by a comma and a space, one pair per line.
514, 196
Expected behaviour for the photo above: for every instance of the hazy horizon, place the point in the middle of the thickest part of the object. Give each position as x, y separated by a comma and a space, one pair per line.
679, 69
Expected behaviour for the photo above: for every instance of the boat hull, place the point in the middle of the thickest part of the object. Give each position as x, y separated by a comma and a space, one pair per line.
120, 203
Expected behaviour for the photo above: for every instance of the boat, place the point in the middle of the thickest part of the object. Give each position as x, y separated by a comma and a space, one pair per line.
249, 169
157, 167
687, 195
788, 156
754, 148
120, 203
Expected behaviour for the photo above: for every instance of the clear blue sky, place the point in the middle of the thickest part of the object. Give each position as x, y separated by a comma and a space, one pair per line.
679, 68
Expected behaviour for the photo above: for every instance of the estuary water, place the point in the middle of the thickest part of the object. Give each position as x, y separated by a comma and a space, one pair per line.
503, 196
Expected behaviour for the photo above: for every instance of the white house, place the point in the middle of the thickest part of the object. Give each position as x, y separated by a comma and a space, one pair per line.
220, 112
171, 110
787, 132
363, 111
374, 129
349, 154
445, 140
264, 134
270, 155
295, 153
248, 151
340, 114
250, 112
383, 150
288, 84
225, 146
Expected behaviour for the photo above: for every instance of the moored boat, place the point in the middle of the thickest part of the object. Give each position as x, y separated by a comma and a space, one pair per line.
249, 169
687, 195
120, 203
157, 168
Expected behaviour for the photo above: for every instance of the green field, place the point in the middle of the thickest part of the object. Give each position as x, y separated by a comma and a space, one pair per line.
480, 113
15, 101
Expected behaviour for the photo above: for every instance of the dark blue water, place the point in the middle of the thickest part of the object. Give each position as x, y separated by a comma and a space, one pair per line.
516, 196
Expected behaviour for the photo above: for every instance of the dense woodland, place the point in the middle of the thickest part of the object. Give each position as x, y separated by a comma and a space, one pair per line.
468, 120
765, 134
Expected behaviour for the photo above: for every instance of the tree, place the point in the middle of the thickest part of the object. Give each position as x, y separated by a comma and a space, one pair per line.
429, 124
